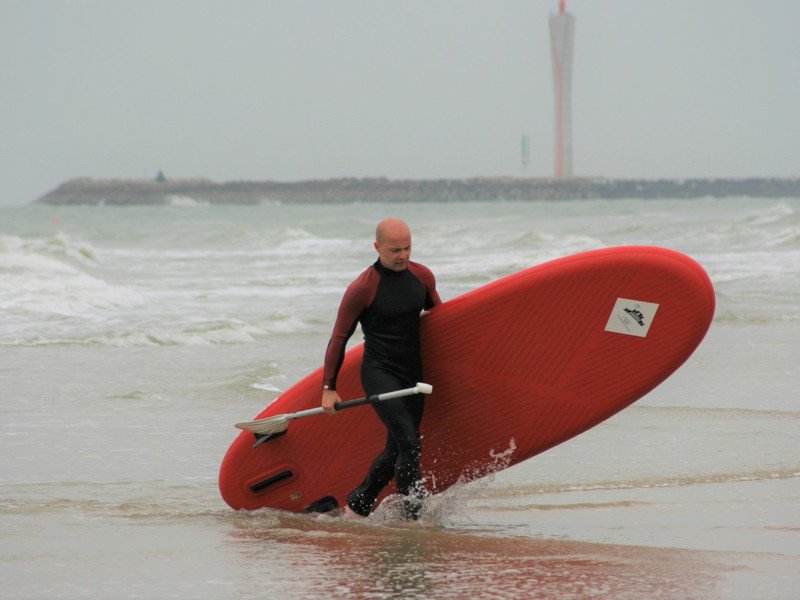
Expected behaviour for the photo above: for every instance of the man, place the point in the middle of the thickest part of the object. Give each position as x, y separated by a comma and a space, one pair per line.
388, 299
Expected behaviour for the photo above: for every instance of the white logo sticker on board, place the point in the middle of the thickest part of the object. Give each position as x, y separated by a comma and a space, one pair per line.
631, 317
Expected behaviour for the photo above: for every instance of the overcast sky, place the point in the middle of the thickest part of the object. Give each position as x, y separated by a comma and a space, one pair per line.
301, 89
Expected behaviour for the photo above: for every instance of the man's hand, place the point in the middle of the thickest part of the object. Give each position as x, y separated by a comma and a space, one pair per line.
329, 398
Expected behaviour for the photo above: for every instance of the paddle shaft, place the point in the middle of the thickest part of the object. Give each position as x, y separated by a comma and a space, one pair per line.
278, 423
352, 403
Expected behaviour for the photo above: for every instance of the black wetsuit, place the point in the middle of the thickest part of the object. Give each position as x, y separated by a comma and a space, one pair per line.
388, 305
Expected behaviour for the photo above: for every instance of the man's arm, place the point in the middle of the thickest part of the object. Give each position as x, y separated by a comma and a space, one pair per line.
357, 297
427, 279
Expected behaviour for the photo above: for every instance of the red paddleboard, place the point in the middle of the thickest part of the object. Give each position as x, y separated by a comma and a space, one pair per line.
517, 366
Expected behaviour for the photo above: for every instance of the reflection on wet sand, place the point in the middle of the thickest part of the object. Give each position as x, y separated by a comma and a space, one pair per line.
308, 556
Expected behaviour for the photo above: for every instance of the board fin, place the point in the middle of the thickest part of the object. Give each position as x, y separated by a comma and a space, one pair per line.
265, 437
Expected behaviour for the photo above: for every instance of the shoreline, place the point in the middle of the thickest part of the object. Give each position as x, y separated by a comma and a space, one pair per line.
345, 190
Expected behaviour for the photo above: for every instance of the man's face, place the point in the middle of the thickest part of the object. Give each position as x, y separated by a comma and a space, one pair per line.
394, 250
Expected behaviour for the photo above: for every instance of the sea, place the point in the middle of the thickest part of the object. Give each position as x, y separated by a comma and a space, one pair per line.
132, 338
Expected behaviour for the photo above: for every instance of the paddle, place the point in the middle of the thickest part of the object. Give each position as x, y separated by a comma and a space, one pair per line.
279, 423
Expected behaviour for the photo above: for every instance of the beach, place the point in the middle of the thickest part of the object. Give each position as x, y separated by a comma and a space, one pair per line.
133, 337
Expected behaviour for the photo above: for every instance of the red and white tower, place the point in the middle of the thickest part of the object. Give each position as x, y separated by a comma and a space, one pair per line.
562, 36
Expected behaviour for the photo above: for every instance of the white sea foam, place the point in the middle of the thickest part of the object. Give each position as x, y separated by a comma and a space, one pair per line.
106, 331
267, 387
35, 279
305, 247
186, 201
171, 277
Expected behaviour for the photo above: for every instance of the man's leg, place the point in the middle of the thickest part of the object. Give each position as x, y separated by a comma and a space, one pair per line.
401, 455
402, 417
362, 499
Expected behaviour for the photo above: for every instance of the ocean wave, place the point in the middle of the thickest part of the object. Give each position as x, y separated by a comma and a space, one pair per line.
44, 278
576, 505
198, 333
732, 266
511, 491
267, 387
310, 246
771, 214
79, 296
754, 318
44, 253
486, 241
167, 502
772, 226
717, 413
238, 244
186, 202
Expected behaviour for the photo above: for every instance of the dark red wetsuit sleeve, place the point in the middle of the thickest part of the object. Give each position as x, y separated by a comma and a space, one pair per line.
426, 278
357, 297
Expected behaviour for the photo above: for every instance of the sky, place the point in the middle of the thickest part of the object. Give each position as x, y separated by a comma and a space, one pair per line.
306, 89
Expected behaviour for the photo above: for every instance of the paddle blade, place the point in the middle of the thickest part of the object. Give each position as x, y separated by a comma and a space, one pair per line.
266, 426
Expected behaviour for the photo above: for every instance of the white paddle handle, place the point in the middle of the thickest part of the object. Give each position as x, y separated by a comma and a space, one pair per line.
420, 388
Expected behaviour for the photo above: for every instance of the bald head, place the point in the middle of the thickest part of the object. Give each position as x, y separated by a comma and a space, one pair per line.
391, 228
393, 243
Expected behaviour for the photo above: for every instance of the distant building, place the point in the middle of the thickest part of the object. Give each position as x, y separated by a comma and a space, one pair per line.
562, 35
160, 178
